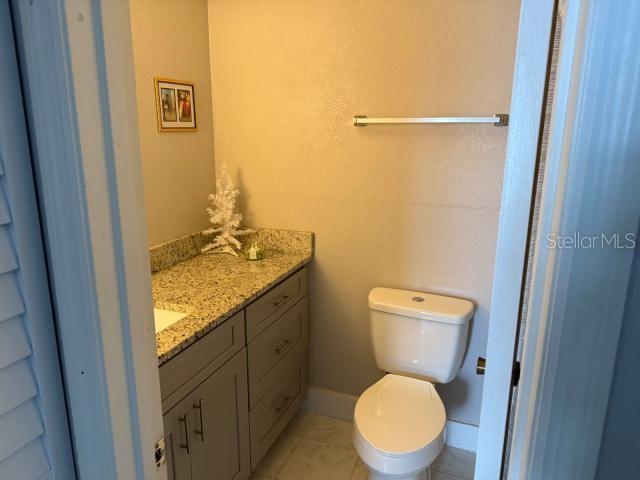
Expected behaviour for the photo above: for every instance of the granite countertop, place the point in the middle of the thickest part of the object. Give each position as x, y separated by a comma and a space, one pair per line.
210, 288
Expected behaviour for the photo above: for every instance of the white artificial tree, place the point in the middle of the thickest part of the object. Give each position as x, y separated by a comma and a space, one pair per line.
226, 222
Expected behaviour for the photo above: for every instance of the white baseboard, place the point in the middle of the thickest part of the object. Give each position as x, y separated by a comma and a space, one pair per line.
332, 404
342, 405
462, 435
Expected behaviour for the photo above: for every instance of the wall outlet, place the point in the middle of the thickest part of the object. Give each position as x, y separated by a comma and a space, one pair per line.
160, 452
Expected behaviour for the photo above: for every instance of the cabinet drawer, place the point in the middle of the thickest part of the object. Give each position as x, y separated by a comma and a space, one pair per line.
272, 414
267, 308
190, 367
287, 337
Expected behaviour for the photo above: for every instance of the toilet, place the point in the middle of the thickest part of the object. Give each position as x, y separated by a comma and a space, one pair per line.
399, 421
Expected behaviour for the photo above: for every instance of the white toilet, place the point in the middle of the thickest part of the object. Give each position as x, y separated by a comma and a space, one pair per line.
399, 422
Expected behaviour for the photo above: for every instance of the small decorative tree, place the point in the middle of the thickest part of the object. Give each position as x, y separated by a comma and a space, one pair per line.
226, 222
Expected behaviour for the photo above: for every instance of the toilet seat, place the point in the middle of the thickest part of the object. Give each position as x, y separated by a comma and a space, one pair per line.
399, 425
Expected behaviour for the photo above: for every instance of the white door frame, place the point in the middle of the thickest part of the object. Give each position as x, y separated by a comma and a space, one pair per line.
578, 295
76, 58
530, 75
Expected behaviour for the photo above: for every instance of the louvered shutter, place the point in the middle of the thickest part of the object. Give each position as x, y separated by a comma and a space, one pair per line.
32, 413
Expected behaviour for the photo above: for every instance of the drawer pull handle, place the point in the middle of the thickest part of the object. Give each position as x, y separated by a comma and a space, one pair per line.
200, 431
283, 347
280, 302
285, 402
183, 419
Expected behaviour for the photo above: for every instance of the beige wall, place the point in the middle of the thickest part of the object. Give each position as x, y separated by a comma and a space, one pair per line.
412, 207
171, 39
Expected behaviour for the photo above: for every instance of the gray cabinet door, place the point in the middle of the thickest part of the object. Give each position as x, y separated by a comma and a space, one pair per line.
178, 438
220, 429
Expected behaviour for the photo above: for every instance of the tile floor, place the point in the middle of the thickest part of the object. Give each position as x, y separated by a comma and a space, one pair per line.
315, 447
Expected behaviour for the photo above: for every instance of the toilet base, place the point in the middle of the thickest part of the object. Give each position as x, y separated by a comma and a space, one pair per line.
424, 475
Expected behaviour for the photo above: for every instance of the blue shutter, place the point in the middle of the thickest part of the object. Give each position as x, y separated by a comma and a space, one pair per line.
33, 426
21, 427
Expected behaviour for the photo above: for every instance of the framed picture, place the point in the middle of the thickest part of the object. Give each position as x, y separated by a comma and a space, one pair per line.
175, 105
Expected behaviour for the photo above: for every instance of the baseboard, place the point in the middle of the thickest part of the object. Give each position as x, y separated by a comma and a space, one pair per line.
332, 404
462, 435
341, 406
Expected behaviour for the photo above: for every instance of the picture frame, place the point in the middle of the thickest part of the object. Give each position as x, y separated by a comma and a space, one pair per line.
175, 105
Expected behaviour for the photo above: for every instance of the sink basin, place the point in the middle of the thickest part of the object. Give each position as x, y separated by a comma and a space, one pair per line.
166, 318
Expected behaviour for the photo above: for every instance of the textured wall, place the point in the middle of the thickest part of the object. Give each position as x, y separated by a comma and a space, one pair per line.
171, 39
411, 207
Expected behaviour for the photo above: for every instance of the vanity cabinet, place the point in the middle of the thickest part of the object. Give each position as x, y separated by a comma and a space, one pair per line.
207, 434
227, 398
220, 445
176, 436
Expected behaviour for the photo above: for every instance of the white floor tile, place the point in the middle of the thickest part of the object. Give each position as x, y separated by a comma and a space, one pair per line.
315, 447
277, 455
360, 472
257, 476
313, 460
300, 423
331, 431
443, 476
455, 461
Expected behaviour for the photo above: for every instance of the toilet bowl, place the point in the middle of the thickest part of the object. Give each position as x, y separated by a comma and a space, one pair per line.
399, 428
399, 422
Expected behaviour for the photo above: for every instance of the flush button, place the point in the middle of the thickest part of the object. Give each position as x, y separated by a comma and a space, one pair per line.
417, 299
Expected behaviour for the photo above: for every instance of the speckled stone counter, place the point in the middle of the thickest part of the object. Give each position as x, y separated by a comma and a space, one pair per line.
210, 288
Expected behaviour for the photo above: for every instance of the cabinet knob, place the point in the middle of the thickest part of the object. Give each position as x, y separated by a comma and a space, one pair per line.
283, 347
283, 299
185, 421
278, 303
285, 402
200, 431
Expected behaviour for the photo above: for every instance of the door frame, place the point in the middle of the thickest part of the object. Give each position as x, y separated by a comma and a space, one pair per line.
527, 100
591, 148
76, 58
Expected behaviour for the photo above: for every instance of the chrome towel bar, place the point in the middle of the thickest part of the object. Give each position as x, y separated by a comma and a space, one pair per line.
498, 120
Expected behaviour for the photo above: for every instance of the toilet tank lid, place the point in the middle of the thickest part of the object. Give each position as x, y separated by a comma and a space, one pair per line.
426, 306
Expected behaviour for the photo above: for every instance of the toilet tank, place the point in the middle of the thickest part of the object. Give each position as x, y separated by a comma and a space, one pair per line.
418, 334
